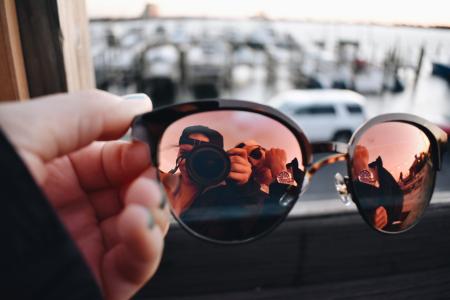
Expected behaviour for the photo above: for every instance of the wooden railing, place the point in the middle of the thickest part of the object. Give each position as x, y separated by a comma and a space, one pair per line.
318, 257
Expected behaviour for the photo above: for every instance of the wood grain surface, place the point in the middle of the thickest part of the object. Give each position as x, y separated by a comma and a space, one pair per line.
320, 257
13, 79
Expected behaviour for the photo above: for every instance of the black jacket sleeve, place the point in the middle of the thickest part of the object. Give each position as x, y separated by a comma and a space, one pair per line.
38, 259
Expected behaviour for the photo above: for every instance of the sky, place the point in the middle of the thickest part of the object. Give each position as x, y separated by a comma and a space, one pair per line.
396, 143
415, 12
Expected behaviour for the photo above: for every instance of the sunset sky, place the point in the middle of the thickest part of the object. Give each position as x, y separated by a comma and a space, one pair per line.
418, 12
396, 143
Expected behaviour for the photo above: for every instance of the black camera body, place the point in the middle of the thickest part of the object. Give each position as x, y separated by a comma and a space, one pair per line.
207, 164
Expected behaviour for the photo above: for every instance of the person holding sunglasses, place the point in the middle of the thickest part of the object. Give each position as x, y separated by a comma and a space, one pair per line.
78, 208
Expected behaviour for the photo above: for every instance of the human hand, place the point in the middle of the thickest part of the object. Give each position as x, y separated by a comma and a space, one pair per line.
380, 218
102, 191
276, 161
241, 169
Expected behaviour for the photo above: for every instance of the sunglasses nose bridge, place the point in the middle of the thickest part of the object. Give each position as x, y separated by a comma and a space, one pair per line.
319, 164
324, 162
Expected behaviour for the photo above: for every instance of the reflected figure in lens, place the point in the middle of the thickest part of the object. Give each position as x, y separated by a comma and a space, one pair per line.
255, 206
203, 164
278, 182
269, 168
381, 197
229, 195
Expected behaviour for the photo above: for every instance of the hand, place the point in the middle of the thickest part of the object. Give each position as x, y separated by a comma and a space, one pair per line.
241, 169
102, 191
380, 218
276, 161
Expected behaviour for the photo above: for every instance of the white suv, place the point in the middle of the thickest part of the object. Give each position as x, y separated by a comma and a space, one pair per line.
324, 115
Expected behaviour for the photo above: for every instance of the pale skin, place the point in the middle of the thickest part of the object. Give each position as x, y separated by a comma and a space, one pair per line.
103, 190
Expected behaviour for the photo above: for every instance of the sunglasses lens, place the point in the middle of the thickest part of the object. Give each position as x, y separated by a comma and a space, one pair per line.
217, 192
392, 175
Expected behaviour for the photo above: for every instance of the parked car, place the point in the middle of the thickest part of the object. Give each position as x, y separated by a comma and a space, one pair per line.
323, 115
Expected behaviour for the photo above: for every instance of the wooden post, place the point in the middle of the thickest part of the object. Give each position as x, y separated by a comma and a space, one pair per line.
54, 35
40, 34
13, 79
76, 45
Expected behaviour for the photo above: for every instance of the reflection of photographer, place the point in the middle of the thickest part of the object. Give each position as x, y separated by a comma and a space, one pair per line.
203, 164
268, 165
229, 204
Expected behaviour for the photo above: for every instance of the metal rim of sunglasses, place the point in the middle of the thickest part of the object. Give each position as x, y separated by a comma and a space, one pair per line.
149, 128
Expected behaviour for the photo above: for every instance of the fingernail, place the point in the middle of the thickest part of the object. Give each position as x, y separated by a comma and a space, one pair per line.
138, 97
163, 198
163, 201
151, 220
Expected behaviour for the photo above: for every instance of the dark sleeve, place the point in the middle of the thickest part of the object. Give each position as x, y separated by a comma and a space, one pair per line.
38, 260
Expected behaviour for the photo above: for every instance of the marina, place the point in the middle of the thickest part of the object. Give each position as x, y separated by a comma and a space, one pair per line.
256, 59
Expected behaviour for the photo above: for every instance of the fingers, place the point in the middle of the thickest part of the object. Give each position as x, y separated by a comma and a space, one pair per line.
276, 160
135, 247
381, 218
239, 178
146, 192
239, 152
135, 259
143, 191
239, 161
241, 169
51, 126
276, 154
110, 164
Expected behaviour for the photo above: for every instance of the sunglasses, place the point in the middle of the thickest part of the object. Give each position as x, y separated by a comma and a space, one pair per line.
218, 196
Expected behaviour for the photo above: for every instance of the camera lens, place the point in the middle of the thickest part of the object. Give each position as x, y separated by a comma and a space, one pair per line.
256, 153
208, 165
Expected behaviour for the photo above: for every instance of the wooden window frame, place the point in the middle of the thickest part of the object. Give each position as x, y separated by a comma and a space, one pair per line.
46, 46
14, 85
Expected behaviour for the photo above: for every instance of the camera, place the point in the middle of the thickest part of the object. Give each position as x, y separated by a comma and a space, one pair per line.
207, 164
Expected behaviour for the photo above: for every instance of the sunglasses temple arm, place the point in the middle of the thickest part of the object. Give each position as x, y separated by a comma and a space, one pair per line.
323, 162
340, 150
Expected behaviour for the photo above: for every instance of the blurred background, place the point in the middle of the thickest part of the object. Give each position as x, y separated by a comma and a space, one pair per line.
329, 65
320, 62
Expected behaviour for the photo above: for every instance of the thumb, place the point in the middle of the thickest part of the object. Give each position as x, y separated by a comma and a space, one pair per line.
48, 127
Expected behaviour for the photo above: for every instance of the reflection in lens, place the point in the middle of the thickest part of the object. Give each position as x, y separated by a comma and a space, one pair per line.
393, 175
230, 175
